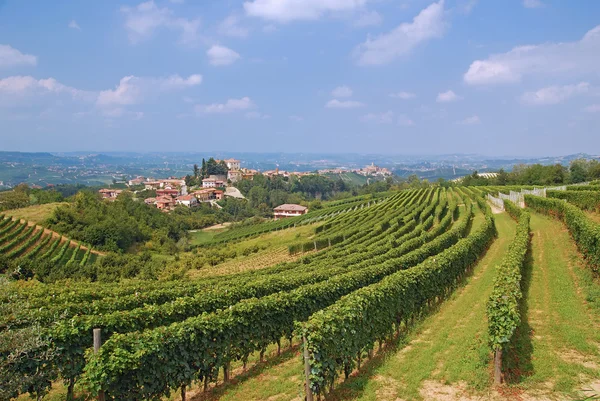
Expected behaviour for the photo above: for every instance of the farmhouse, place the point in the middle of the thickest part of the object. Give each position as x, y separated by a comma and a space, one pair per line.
168, 192
165, 203
208, 194
110, 194
289, 210
212, 183
187, 200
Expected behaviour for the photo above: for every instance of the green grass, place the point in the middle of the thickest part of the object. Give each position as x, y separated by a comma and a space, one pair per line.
201, 237
37, 213
564, 330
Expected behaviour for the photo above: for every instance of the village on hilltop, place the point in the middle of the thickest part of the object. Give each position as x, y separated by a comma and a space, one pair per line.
216, 180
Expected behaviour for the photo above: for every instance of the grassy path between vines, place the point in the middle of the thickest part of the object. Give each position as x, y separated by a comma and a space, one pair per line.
559, 340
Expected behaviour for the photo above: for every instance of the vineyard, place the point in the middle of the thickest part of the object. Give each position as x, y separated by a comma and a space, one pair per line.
23, 239
382, 300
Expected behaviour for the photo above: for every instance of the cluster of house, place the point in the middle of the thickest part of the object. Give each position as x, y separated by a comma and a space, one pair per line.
373, 170
367, 171
172, 192
285, 174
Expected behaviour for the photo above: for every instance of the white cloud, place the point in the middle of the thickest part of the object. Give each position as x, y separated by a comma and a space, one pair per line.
11, 57
27, 85
473, 120
567, 58
446, 97
177, 1
402, 95
342, 91
230, 26
291, 10
141, 22
74, 25
429, 24
594, 108
255, 115
368, 18
378, 118
296, 118
405, 121
133, 90
221, 55
228, 107
554, 94
532, 3
343, 104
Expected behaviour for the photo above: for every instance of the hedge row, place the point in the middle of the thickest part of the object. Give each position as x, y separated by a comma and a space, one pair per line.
585, 232
586, 200
503, 307
150, 364
337, 336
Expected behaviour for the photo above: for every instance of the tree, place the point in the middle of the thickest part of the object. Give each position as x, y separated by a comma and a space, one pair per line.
203, 171
196, 171
578, 170
502, 178
257, 195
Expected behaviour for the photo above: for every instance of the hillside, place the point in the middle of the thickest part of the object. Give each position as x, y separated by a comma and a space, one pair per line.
389, 296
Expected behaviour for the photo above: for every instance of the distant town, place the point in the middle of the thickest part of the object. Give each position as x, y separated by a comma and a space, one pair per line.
210, 188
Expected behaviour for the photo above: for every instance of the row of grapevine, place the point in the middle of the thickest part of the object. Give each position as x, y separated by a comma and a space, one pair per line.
337, 236
70, 368
583, 187
336, 337
28, 241
585, 232
124, 300
26, 244
92, 291
196, 348
503, 307
238, 233
586, 200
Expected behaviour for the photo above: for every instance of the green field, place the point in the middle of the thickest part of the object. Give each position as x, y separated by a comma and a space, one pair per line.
37, 213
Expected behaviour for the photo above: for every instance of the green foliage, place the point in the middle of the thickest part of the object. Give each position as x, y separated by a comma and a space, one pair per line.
503, 307
585, 232
115, 226
335, 336
583, 199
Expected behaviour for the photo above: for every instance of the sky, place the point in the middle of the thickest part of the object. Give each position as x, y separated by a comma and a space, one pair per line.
497, 78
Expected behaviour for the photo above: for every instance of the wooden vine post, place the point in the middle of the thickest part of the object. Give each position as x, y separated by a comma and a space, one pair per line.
97, 344
309, 394
498, 366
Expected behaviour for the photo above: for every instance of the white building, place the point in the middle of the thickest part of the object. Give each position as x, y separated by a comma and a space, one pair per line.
232, 164
187, 200
212, 183
289, 210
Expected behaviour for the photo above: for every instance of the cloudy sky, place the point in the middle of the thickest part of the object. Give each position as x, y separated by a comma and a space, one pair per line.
514, 77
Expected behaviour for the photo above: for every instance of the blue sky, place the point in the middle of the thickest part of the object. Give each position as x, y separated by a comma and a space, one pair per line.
514, 77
